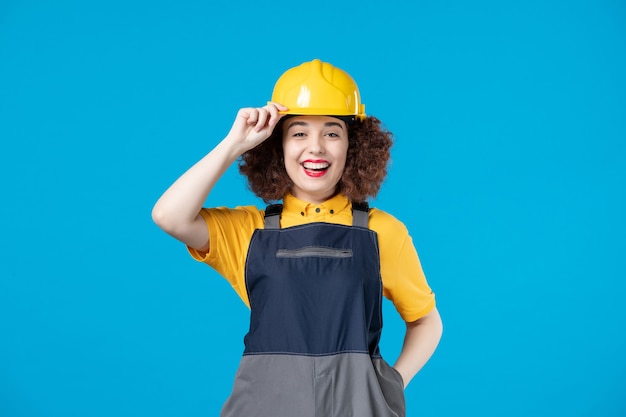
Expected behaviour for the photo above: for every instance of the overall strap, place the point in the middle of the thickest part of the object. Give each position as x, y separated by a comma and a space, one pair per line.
360, 214
272, 216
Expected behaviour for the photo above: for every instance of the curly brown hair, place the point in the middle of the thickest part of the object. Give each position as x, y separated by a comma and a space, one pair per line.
369, 145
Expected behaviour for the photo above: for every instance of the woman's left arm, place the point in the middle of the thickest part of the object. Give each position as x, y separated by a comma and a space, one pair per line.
421, 340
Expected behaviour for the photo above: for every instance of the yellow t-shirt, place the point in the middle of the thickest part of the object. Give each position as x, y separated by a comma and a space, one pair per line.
403, 280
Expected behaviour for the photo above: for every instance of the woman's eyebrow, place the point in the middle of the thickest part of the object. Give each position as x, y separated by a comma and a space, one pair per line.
328, 124
302, 123
305, 124
297, 123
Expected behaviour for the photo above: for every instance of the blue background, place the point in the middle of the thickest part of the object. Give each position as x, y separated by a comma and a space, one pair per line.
508, 169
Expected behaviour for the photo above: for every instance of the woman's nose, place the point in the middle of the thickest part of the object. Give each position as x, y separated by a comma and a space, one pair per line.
316, 145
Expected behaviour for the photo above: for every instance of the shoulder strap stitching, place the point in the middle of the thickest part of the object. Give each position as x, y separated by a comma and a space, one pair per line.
360, 213
272, 216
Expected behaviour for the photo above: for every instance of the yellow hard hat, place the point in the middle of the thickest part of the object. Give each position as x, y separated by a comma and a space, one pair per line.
318, 88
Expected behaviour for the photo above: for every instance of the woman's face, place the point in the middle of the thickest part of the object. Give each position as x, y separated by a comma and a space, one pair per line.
315, 149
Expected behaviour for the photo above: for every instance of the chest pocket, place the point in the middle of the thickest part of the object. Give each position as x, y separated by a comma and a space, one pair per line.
314, 252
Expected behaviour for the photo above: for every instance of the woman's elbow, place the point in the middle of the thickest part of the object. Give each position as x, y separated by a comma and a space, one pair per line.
162, 219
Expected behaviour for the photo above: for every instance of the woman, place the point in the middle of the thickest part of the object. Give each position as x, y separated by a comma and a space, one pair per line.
313, 268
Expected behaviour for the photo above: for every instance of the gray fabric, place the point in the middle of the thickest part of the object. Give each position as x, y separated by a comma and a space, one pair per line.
272, 222
342, 385
360, 214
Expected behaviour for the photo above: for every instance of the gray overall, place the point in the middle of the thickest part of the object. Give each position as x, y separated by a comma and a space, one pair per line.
312, 349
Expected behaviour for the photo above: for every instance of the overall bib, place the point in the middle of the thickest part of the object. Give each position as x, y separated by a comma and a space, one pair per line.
312, 349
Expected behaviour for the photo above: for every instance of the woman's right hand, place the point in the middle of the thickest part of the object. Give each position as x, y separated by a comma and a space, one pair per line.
253, 125
178, 210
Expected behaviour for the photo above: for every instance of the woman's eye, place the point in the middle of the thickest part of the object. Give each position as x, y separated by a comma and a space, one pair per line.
298, 134
333, 135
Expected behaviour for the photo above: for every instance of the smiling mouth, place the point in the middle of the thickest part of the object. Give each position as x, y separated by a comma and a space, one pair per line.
315, 168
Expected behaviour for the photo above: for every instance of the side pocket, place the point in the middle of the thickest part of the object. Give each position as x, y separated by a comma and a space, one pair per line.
399, 375
392, 387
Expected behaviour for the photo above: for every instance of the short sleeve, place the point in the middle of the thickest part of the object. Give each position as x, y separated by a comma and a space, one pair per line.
230, 231
404, 282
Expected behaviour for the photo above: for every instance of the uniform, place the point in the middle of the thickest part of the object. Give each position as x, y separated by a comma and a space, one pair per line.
315, 292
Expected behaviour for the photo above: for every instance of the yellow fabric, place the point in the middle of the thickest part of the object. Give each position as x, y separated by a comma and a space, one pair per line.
403, 280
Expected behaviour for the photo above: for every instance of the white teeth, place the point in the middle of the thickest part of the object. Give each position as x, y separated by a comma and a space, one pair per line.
316, 165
